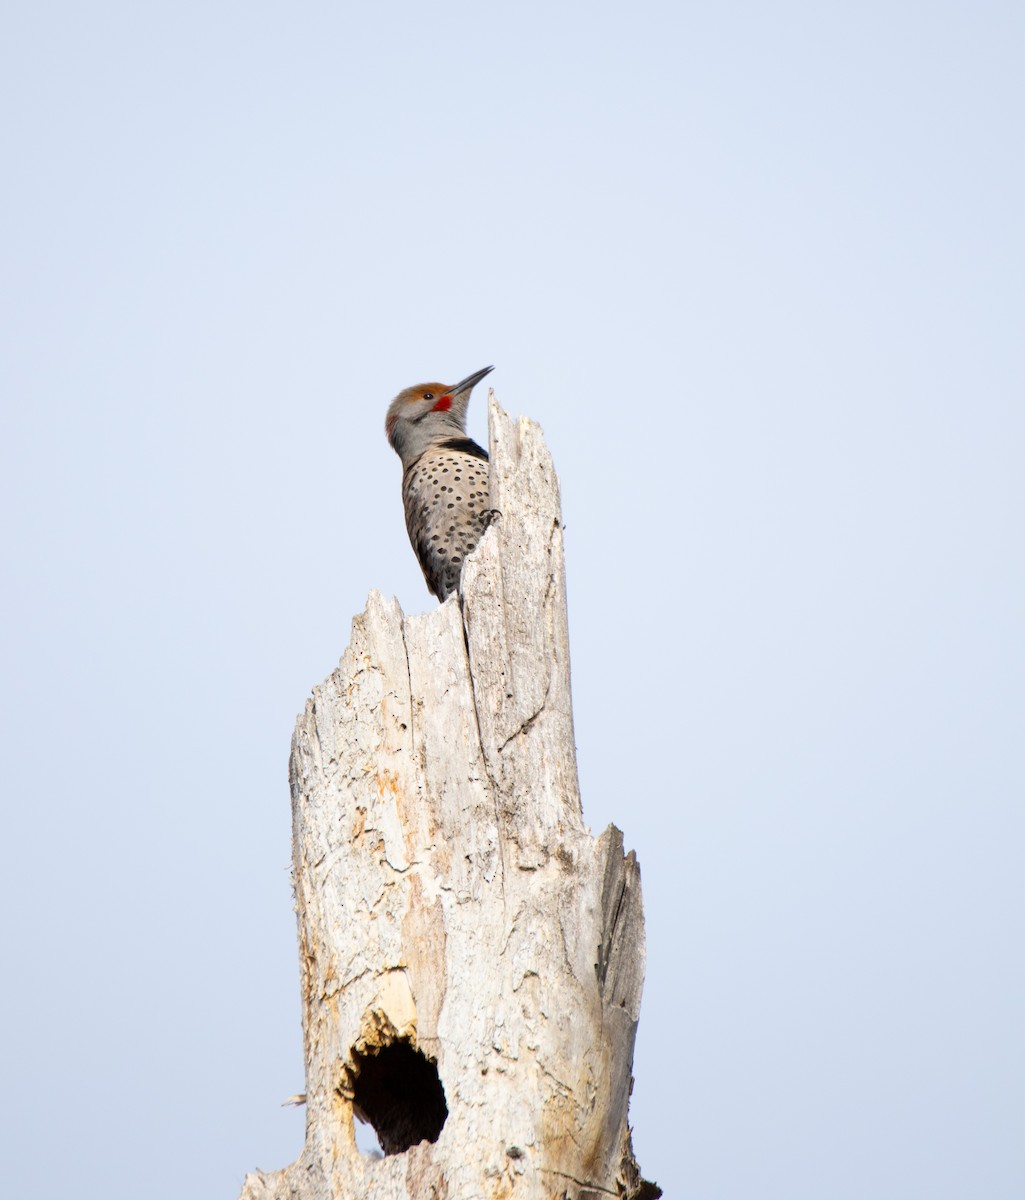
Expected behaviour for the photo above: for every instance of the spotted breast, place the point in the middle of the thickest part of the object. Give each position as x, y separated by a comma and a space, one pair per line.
445, 496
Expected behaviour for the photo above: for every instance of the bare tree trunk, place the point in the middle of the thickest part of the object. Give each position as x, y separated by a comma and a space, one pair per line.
471, 958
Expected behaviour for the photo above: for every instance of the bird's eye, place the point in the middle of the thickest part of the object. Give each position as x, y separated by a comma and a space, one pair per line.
428, 395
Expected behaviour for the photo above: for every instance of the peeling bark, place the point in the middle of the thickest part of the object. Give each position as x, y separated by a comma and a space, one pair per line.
471, 958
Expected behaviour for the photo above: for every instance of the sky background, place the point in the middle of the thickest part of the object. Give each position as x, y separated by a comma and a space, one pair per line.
757, 270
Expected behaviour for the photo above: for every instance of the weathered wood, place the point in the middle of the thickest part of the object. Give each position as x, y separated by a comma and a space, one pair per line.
456, 918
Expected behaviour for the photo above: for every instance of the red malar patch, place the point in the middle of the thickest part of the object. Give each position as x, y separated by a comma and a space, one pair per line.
443, 405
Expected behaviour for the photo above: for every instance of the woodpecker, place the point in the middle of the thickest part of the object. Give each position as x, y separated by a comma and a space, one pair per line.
444, 477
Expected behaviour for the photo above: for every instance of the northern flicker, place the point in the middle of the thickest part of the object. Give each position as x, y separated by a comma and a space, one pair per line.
444, 477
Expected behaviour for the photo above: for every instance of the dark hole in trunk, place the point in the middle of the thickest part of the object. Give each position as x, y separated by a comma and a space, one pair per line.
398, 1091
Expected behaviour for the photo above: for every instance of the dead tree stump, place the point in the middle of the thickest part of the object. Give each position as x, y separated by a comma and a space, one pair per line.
471, 957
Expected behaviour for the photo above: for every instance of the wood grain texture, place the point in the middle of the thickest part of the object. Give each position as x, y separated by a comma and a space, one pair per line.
448, 894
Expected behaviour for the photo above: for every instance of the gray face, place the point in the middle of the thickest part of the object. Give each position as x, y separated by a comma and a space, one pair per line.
427, 413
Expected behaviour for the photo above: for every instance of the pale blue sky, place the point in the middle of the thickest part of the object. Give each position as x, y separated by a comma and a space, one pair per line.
757, 269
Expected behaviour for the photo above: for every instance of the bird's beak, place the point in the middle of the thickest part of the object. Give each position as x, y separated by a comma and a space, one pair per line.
470, 381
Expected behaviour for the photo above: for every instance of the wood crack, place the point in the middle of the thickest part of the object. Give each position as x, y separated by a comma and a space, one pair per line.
528, 723
589, 1185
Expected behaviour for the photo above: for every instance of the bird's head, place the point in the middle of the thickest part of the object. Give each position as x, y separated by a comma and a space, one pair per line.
427, 413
